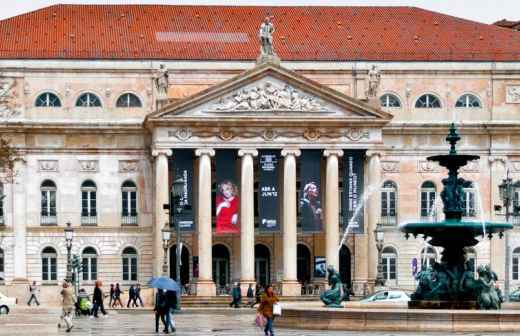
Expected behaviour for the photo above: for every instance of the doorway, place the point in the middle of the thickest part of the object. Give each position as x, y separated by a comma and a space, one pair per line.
262, 265
221, 266
185, 264
344, 266
303, 262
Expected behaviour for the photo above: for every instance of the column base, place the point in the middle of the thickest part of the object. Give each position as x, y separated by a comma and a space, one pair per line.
206, 288
291, 288
244, 286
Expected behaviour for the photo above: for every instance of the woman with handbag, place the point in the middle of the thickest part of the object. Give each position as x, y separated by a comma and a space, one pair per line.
268, 300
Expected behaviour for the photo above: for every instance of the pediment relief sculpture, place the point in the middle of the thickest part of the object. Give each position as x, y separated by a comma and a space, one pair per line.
270, 97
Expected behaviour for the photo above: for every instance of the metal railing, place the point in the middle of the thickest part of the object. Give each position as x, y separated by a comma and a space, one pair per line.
313, 289
189, 289
223, 290
88, 220
129, 220
48, 220
388, 220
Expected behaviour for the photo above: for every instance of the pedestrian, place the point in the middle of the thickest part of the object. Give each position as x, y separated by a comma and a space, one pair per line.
138, 295
131, 297
111, 301
67, 306
236, 295
258, 294
33, 289
267, 301
160, 308
171, 299
250, 295
98, 300
117, 296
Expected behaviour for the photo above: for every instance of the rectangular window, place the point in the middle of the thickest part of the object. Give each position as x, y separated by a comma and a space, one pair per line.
45, 269
93, 268
515, 268
388, 211
133, 263
125, 269
427, 204
129, 269
84, 264
54, 269
468, 207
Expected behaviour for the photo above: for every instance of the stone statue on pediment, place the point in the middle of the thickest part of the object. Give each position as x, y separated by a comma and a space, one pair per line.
374, 78
265, 35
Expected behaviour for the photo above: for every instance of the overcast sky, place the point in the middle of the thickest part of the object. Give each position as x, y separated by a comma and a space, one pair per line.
487, 11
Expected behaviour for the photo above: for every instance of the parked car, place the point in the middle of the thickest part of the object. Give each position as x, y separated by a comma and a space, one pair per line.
6, 303
387, 296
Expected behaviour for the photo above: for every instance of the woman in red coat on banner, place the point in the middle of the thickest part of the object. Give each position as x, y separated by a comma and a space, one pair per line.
227, 208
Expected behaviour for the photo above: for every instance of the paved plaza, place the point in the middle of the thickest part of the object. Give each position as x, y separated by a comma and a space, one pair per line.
225, 322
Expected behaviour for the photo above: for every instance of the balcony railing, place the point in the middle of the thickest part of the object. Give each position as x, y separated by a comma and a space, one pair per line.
388, 220
48, 220
129, 220
88, 220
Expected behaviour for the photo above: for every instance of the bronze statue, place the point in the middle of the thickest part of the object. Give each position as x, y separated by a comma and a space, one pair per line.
332, 297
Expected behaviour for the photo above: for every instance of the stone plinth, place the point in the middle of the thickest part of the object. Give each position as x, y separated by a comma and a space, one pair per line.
424, 304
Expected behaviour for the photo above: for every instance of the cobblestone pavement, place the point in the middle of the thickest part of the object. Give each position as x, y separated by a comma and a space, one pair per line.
223, 322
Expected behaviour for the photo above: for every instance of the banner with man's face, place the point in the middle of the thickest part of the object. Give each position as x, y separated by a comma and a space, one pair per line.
310, 210
227, 201
182, 169
268, 211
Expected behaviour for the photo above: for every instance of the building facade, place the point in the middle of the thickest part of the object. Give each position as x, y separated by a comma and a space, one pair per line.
102, 119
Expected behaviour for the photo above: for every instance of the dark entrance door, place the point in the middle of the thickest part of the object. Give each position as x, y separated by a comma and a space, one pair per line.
303, 260
221, 266
344, 265
185, 264
262, 265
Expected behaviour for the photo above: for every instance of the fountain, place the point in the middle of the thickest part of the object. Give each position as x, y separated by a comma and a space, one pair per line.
451, 284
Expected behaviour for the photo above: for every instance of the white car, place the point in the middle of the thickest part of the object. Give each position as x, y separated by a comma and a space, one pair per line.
387, 296
6, 303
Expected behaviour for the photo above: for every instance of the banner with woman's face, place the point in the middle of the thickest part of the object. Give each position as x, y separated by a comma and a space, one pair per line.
227, 201
311, 213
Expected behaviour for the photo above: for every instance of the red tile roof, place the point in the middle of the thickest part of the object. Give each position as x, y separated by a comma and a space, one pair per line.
230, 33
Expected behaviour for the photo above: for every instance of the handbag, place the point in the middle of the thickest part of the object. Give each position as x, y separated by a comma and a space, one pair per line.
260, 320
277, 309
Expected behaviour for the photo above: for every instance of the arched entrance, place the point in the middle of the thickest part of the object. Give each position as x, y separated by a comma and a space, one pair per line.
344, 265
185, 264
262, 264
221, 265
303, 262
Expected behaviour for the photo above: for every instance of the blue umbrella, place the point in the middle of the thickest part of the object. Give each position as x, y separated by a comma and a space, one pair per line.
165, 283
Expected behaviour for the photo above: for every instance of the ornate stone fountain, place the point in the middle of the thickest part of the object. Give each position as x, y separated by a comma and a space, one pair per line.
451, 283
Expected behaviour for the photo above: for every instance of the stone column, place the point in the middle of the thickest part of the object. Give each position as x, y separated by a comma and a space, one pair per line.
247, 218
332, 207
290, 285
205, 284
374, 211
19, 221
161, 198
498, 250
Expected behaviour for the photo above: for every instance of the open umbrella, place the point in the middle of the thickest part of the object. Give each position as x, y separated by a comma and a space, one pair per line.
165, 283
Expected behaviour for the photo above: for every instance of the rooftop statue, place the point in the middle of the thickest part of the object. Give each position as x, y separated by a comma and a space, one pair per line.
266, 37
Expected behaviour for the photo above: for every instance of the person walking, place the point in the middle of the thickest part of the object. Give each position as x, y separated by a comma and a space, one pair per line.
33, 290
138, 295
267, 301
236, 294
258, 294
131, 297
250, 295
171, 299
117, 296
67, 306
161, 305
97, 300
111, 301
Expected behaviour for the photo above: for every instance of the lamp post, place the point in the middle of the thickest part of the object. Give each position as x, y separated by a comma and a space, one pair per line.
379, 235
69, 235
177, 192
506, 192
166, 235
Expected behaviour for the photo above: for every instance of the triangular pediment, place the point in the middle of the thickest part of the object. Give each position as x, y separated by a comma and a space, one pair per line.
269, 92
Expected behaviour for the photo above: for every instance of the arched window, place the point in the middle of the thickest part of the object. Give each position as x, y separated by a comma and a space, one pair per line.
388, 203
428, 101
88, 203
48, 205
88, 100
2, 266
128, 100
428, 257
389, 261
89, 264
389, 100
469, 207
428, 195
49, 264
129, 205
516, 259
471, 258
129, 264
47, 99
468, 100
2, 196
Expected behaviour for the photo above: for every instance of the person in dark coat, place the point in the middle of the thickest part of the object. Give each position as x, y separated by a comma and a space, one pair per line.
236, 294
111, 301
97, 300
131, 297
117, 296
250, 295
160, 308
171, 298
258, 294
138, 295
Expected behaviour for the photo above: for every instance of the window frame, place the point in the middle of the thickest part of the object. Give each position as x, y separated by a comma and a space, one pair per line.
387, 259
387, 97
127, 191
52, 262
386, 192
430, 202
128, 100
2, 265
127, 269
89, 104
470, 202
47, 100
515, 263
89, 198
427, 255
89, 260
49, 195
427, 102
467, 97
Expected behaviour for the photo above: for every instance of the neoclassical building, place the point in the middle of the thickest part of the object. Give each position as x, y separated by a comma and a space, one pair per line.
285, 166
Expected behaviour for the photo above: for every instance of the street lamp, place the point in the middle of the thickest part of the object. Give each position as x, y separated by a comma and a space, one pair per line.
166, 235
379, 235
506, 192
177, 192
69, 235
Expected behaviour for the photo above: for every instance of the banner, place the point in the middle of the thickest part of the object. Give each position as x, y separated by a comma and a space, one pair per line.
268, 210
227, 196
182, 164
320, 267
310, 211
353, 188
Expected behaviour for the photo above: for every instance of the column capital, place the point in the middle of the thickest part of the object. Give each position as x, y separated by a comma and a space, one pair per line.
245, 152
161, 151
372, 153
333, 152
291, 151
204, 151
498, 158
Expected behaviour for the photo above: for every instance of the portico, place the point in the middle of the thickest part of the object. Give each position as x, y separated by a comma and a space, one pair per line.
266, 108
